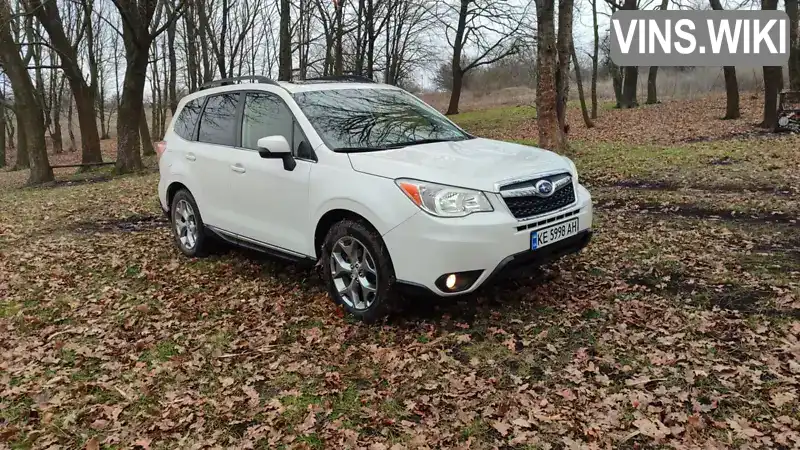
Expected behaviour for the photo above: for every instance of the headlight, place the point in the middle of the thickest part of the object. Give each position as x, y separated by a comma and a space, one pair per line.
572, 167
444, 201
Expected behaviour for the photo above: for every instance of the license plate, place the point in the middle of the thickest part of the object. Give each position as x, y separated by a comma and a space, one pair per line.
555, 233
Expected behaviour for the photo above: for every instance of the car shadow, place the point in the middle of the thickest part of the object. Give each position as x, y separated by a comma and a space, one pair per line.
412, 308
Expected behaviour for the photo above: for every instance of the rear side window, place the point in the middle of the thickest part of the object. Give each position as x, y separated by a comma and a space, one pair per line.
265, 115
218, 123
184, 124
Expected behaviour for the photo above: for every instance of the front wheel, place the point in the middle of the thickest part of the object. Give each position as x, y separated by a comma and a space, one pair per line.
358, 271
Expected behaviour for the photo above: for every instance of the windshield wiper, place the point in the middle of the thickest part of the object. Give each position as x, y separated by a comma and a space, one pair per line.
392, 146
359, 149
420, 142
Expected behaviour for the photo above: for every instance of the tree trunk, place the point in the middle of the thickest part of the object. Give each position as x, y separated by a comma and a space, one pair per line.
29, 112
56, 135
455, 63
794, 47
652, 74
629, 86
773, 80
731, 84
455, 95
595, 57
85, 95
370, 38
731, 92
586, 119
652, 93
101, 112
147, 141
131, 110
360, 41
564, 50
285, 51
616, 82
23, 159
72, 145
2, 132
338, 65
90, 138
173, 70
547, 117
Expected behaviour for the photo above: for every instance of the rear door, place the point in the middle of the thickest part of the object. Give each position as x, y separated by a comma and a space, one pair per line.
212, 158
272, 201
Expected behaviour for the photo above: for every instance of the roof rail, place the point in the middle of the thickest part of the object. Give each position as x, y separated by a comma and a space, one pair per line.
227, 81
343, 79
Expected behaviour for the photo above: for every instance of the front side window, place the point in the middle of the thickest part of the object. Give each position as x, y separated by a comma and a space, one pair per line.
265, 115
218, 124
187, 119
374, 119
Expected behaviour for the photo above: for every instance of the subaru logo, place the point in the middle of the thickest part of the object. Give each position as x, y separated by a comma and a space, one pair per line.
544, 188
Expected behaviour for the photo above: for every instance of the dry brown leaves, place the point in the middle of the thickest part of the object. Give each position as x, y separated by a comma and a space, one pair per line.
677, 327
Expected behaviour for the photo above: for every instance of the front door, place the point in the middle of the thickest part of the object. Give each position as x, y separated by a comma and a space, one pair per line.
276, 208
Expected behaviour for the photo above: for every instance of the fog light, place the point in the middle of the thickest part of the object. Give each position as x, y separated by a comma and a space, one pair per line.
457, 282
451, 281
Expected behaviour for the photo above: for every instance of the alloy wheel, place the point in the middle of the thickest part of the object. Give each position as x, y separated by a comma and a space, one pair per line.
354, 273
185, 224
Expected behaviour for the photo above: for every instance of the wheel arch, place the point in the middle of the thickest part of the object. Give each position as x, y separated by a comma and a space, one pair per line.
173, 189
330, 218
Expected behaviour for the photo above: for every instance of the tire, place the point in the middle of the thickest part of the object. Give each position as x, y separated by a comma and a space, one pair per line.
377, 298
193, 223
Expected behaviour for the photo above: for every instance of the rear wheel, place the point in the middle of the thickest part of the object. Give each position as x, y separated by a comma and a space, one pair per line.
187, 225
358, 271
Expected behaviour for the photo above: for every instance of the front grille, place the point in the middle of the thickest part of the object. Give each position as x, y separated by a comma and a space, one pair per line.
533, 205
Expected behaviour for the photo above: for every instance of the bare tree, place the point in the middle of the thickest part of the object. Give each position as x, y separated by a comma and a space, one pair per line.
794, 47
595, 57
84, 93
773, 82
563, 49
652, 73
481, 32
285, 52
584, 111
551, 135
30, 116
2, 128
731, 83
138, 32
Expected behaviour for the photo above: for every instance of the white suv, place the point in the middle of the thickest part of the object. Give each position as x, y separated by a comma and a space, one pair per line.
378, 188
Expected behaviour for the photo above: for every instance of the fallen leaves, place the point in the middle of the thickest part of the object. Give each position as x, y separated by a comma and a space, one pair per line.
672, 328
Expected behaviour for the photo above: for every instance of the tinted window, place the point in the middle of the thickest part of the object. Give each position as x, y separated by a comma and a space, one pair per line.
218, 124
184, 124
374, 119
265, 115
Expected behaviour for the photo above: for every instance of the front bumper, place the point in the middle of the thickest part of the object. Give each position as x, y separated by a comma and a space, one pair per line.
425, 247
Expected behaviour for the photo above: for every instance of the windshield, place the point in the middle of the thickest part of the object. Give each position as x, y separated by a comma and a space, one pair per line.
351, 120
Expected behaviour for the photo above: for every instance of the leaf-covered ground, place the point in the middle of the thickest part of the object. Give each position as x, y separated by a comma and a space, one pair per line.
678, 327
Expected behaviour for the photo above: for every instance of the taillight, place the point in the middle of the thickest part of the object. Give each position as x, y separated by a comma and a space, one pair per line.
161, 147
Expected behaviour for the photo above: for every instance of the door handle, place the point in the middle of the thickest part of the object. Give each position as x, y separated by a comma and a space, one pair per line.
237, 168
190, 156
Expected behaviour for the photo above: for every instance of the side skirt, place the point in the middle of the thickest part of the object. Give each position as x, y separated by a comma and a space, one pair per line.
252, 244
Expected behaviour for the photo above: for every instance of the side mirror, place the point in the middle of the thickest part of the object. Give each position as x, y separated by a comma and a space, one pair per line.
276, 147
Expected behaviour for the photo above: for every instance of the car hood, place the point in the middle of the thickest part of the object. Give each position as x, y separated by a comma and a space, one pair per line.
473, 163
